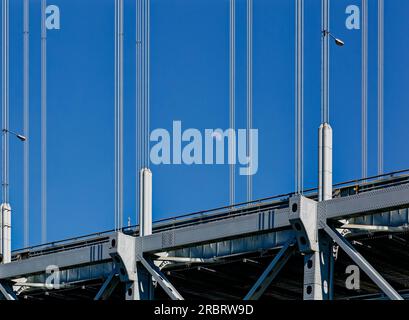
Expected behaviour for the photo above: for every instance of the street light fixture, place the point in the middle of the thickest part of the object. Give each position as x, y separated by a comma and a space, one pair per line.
19, 136
338, 41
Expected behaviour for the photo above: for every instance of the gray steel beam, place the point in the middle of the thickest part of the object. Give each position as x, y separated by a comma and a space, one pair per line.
64, 259
363, 264
161, 279
231, 227
271, 271
387, 199
108, 286
239, 226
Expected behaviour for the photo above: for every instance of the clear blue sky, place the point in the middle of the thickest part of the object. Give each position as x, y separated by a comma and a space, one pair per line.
189, 73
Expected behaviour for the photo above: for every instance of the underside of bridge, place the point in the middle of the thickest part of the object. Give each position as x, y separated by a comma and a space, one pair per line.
231, 278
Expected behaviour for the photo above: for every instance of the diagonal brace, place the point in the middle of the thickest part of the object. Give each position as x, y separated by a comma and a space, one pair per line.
7, 291
362, 263
271, 271
161, 279
108, 286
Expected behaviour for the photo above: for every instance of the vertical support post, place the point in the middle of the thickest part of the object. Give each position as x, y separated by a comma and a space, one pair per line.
141, 288
317, 271
145, 210
317, 265
325, 162
5, 235
313, 288
314, 245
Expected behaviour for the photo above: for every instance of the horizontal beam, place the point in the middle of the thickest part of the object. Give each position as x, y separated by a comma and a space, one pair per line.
387, 199
370, 202
64, 259
230, 227
374, 228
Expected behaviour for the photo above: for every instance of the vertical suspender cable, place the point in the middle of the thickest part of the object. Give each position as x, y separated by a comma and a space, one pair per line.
301, 184
148, 59
364, 128
5, 100
232, 91
43, 122
299, 94
118, 114
249, 91
26, 107
325, 62
380, 85
142, 89
138, 101
325, 130
143, 84
120, 110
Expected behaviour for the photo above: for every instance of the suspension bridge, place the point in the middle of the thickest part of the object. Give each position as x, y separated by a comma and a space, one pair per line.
290, 246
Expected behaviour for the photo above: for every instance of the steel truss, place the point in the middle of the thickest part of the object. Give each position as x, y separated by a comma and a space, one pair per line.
298, 225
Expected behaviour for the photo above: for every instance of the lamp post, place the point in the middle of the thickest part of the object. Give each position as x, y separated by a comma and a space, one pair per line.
338, 41
19, 136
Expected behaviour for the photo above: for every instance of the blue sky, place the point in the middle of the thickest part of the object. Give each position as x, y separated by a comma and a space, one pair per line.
189, 82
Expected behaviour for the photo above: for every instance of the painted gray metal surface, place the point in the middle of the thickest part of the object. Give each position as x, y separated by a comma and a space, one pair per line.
391, 198
76, 257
